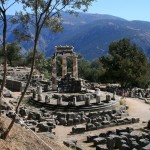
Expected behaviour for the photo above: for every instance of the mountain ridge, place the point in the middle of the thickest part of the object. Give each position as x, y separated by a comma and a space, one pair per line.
90, 34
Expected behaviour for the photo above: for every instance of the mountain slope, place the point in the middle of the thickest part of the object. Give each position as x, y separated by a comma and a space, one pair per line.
92, 39
91, 34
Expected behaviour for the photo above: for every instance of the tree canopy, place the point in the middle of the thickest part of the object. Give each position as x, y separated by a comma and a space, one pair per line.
13, 53
125, 64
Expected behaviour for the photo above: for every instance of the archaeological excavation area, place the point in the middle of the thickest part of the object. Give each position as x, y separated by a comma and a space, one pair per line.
74, 112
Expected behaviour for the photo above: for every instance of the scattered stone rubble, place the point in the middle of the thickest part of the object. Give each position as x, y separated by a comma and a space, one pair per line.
120, 139
7, 93
44, 121
103, 124
17, 76
38, 121
91, 118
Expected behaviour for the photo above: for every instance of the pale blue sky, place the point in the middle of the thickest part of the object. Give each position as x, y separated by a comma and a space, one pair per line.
127, 9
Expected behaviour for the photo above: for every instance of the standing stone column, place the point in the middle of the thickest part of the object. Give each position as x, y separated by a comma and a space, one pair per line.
75, 66
114, 95
34, 94
40, 97
39, 90
54, 75
74, 101
108, 98
64, 65
98, 94
59, 100
87, 100
47, 99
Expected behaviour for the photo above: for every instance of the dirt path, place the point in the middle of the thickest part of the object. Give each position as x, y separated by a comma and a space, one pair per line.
138, 108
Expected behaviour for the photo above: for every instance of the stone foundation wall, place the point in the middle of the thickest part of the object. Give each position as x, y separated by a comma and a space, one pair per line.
14, 85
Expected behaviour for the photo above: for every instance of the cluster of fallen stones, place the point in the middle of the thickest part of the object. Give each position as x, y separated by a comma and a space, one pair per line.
94, 120
103, 124
38, 121
120, 139
4, 107
44, 121
104, 117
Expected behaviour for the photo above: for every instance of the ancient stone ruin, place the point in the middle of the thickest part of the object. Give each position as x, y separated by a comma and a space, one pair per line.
71, 101
70, 93
64, 52
119, 139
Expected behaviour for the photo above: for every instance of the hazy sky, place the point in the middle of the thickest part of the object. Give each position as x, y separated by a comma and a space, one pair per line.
127, 9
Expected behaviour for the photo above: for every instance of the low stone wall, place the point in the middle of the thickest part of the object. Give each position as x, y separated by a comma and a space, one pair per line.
71, 108
14, 85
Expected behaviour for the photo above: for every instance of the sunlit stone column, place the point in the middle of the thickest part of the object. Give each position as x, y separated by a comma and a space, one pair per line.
75, 66
64, 65
54, 74
97, 92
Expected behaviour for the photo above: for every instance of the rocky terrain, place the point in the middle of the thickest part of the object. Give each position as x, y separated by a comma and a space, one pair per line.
22, 139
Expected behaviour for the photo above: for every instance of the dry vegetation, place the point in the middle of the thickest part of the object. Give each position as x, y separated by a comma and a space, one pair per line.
22, 139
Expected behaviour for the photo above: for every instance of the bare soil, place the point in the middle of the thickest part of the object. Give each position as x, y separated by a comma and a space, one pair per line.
22, 139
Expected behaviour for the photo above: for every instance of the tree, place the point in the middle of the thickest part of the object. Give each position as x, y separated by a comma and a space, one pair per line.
13, 53
83, 67
43, 13
40, 61
97, 71
126, 64
91, 71
3, 17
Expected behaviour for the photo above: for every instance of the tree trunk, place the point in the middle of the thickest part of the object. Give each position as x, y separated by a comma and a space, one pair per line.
5, 134
5, 57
